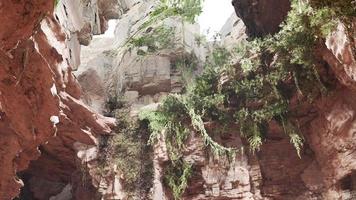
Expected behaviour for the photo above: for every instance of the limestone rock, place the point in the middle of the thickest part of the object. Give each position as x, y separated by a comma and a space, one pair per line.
233, 32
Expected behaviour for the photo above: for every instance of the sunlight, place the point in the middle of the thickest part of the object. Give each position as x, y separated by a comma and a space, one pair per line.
215, 13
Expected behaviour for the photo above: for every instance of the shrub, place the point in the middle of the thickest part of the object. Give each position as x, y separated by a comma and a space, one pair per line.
176, 176
261, 82
129, 152
253, 92
159, 38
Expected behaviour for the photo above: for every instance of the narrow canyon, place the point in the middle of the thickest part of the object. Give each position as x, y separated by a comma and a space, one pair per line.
154, 109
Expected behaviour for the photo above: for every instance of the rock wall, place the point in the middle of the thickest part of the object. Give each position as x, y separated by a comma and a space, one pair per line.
276, 172
120, 72
51, 128
142, 80
233, 32
44, 124
327, 164
261, 17
331, 133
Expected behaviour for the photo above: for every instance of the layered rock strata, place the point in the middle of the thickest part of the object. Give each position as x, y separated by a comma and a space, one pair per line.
45, 125
50, 140
326, 168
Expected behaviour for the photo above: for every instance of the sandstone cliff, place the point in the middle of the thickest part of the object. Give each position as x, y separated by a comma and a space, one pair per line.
69, 105
43, 118
326, 167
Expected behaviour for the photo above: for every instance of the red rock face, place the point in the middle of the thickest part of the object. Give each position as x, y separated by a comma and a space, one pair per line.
327, 167
37, 88
261, 17
331, 135
20, 19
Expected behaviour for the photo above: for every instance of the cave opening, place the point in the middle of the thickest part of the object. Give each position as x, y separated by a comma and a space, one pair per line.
40, 188
56, 175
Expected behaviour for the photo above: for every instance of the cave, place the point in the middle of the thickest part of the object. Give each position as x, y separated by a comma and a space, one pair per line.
51, 177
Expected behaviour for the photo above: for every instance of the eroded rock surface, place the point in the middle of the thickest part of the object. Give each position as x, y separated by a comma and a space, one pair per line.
261, 17
276, 172
42, 114
50, 131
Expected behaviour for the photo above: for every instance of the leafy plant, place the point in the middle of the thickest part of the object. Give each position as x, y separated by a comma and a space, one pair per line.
158, 38
252, 92
129, 152
187, 9
342, 10
200, 39
176, 177
260, 83
186, 64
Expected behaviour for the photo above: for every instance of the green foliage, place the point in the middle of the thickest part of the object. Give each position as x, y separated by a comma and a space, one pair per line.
254, 92
343, 9
267, 66
176, 176
261, 83
187, 9
204, 94
56, 2
173, 119
295, 139
162, 36
218, 58
176, 117
170, 118
129, 152
199, 126
200, 39
186, 64
156, 39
